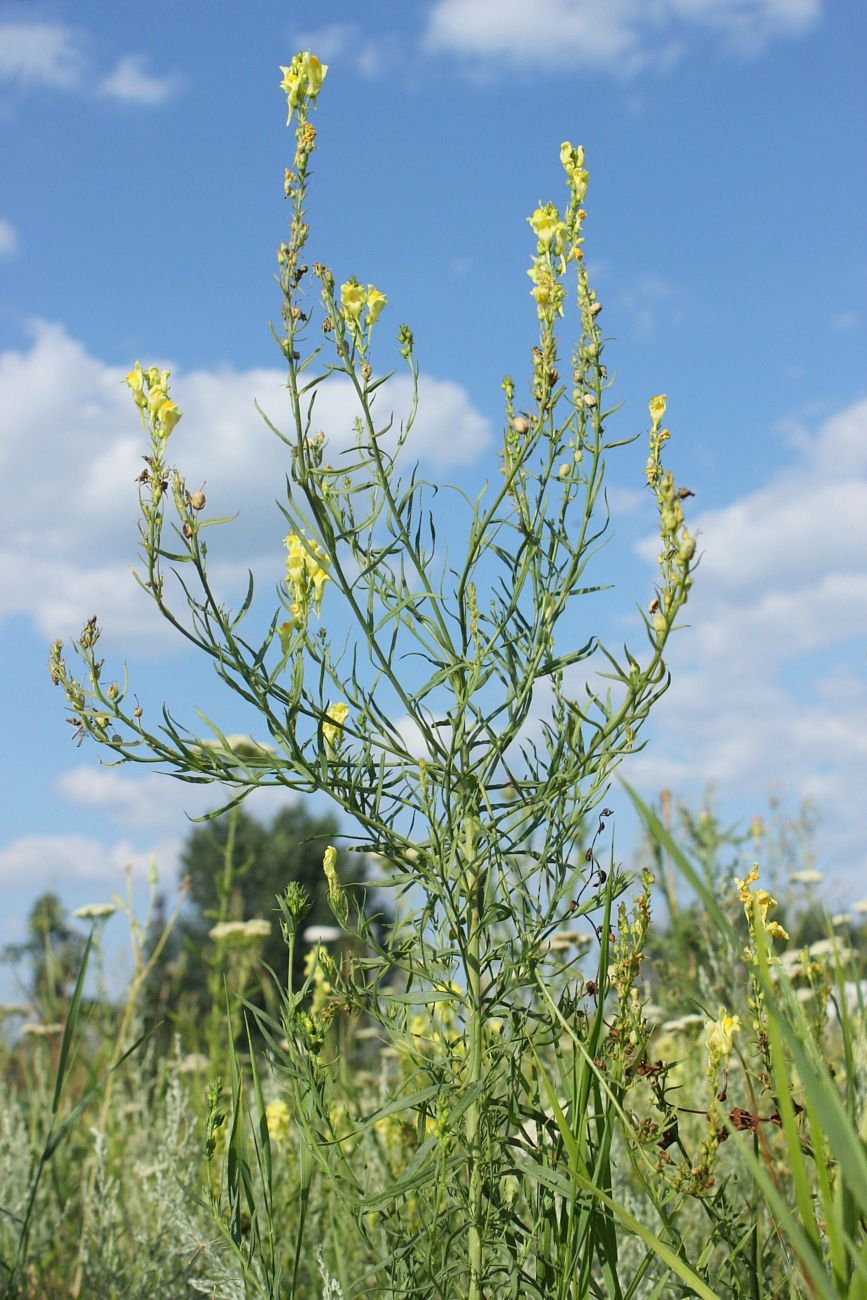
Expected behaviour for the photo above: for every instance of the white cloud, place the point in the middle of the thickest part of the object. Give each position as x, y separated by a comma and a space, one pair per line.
63, 862
620, 36
71, 449
770, 682
55, 56
154, 806
41, 54
344, 43
8, 238
131, 82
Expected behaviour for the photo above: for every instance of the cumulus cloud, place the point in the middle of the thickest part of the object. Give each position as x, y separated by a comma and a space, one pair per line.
55, 56
71, 449
620, 36
63, 862
770, 682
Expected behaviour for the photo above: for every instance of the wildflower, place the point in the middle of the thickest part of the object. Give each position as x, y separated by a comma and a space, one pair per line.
302, 80
94, 911
335, 716
547, 226
831, 948
720, 1035
807, 877
682, 1022
352, 299
35, 1029
305, 574
329, 866
135, 382
168, 415
656, 405
375, 303
239, 934
277, 1118
572, 161
761, 900
547, 289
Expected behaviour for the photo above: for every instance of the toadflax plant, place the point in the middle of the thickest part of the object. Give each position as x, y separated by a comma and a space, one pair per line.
452, 726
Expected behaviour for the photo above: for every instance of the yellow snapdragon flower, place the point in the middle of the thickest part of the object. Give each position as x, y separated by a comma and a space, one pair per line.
305, 574
762, 899
375, 303
572, 161
720, 1035
656, 406
335, 716
302, 80
353, 299
547, 226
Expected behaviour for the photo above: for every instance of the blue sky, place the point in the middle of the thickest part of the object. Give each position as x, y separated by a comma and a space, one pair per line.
139, 219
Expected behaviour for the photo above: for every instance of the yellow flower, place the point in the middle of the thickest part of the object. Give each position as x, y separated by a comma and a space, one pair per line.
547, 226
762, 900
335, 716
720, 1034
329, 866
305, 574
315, 73
547, 289
135, 382
302, 80
352, 299
572, 161
745, 893
656, 406
375, 303
168, 415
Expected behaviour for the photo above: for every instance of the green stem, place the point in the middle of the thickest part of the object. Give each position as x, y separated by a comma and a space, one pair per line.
474, 1028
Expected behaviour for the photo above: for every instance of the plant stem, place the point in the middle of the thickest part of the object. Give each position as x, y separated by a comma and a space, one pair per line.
474, 1030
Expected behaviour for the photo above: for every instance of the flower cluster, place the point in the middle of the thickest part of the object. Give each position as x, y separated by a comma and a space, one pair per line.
760, 902
302, 80
239, 934
305, 575
558, 238
678, 545
150, 392
355, 299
